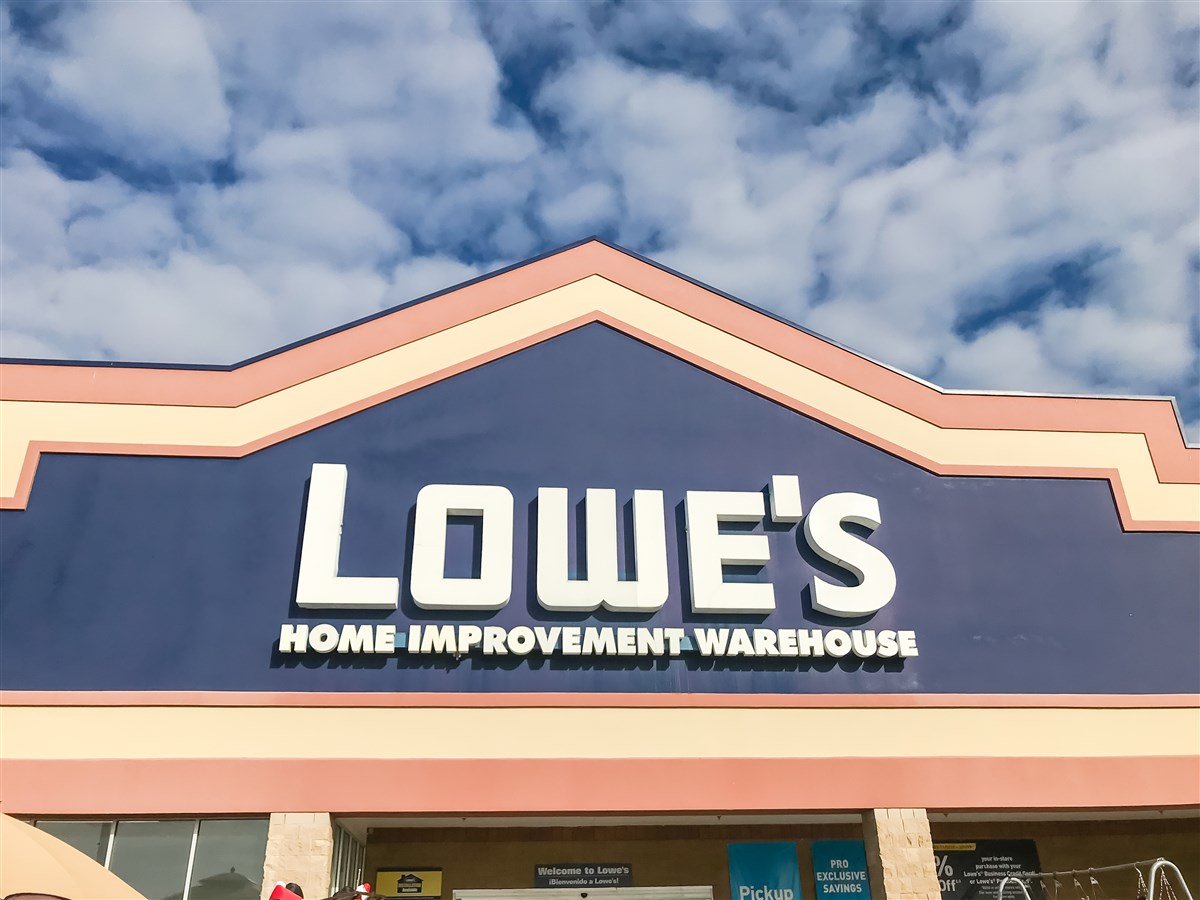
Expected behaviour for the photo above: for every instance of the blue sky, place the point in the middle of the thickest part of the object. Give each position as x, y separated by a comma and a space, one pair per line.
994, 195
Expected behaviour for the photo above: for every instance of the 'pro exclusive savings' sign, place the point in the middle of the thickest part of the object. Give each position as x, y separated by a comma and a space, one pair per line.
840, 869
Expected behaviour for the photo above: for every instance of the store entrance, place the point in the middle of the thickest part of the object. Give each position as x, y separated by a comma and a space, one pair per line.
699, 892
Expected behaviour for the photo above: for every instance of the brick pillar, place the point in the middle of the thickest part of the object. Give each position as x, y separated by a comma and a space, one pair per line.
299, 849
900, 855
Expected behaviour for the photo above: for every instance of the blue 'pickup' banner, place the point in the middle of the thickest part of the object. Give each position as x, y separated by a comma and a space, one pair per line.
764, 871
840, 869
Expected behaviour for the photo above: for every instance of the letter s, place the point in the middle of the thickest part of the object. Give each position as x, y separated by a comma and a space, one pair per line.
824, 534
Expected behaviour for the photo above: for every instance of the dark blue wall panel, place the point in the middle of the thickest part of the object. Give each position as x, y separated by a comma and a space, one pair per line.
141, 573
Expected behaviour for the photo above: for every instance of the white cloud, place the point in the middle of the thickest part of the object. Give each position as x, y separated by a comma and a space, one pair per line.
1108, 349
1011, 353
144, 76
320, 153
135, 226
904, 18
921, 207
416, 277
409, 83
181, 310
292, 217
581, 210
36, 203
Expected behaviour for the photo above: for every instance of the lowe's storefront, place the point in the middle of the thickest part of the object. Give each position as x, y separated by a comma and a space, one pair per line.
586, 579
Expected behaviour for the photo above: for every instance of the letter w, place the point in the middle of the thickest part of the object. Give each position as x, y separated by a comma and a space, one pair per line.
603, 586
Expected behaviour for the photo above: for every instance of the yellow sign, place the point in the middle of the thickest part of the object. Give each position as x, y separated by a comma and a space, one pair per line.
409, 884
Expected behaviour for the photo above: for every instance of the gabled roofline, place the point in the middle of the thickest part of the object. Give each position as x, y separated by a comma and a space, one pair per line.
342, 370
321, 335
312, 338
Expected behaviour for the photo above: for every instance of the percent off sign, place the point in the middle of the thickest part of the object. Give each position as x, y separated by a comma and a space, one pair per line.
945, 874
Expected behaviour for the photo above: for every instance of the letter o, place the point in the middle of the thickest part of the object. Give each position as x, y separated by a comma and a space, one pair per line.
521, 640
837, 643
323, 638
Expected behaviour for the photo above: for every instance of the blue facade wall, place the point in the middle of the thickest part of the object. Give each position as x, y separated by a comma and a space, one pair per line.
143, 573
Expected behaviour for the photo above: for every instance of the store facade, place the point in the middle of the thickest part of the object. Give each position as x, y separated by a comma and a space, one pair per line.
584, 576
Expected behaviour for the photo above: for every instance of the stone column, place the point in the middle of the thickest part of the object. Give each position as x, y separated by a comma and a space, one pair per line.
299, 849
900, 855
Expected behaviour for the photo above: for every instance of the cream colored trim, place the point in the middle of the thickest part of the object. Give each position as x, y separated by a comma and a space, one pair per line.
595, 733
23, 422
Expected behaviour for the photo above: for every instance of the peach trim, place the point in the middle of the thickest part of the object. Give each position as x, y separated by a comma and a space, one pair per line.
36, 448
1143, 471
237, 386
615, 700
1153, 417
505, 787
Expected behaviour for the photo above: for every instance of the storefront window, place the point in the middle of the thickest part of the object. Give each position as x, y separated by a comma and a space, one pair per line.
229, 860
348, 858
152, 857
175, 859
86, 837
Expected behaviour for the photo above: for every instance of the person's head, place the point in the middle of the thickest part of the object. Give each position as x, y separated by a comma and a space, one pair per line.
295, 889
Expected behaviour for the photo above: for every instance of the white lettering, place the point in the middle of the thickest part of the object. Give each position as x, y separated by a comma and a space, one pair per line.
810, 642
863, 643
650, 642
431, 589
675, 638
547, 638
712, 641
521, 640
356, 640
765, 642
385, 639
888, 644
787, 642
740, 644
469, 637
438, 639
626, 642
824, 533
293, 638
709, 551
570, 641
323, 638
602, 587
599, 642
493, 641
837, 643
786, 506
318, 584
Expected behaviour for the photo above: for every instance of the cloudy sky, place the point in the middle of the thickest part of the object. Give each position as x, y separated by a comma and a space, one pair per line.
998, 195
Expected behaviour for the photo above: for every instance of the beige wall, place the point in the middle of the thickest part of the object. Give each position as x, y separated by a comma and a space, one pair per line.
217, 732
300, 850
505, 858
